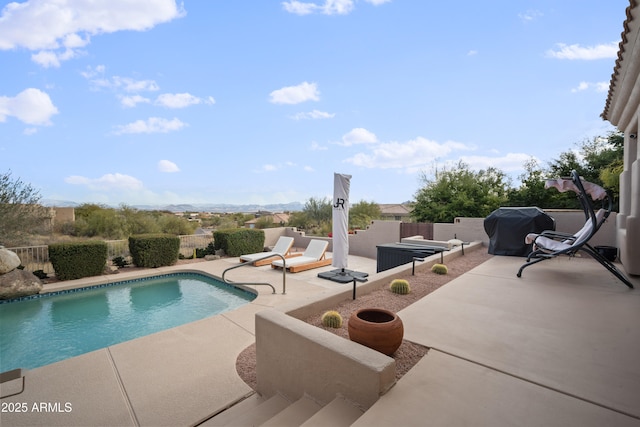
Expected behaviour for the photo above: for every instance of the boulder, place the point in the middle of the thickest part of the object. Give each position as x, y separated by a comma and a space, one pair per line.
19, 283
8, 260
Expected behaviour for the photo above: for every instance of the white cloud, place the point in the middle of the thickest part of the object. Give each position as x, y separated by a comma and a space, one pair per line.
270, 167
130, 85
317, 147
181, 100
108, 182
56, 30
30, 131
132, 101
267, 168
575, 51
117, 83
315, 114
167, 166
31, 106
98, 80
510, 162
299, 8
295, 94
92, 72
151, 125
308, 169
411, 155
358, 136
329, 7
598, 87
530, 15
472, 53
581, 87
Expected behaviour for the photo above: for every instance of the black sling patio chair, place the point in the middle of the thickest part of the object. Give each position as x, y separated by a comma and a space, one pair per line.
550, 244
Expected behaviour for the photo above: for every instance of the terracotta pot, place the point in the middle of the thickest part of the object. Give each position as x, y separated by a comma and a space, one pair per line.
379, 329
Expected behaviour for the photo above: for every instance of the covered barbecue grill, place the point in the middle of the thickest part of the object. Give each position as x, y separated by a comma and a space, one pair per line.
507, 228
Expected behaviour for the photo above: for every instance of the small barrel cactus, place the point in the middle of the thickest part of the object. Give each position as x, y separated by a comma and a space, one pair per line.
439, 269
332, 319
400, 286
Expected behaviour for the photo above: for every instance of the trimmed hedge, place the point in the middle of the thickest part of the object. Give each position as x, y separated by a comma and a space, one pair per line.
77, 260
239, 241
154, 250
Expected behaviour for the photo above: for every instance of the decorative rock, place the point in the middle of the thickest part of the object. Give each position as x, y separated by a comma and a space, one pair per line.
19, 283
110, 269
8, 260
211, 257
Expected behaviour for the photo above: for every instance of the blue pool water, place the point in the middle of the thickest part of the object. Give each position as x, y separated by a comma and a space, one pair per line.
47, 329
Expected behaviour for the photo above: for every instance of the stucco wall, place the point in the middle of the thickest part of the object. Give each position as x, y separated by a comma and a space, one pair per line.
316, 362
628, 226
567, 221
622, 109
363, 242
62, 215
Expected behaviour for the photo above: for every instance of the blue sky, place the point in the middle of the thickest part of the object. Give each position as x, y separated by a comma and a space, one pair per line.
158, 102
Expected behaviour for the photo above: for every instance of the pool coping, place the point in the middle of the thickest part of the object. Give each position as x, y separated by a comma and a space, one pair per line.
47, 293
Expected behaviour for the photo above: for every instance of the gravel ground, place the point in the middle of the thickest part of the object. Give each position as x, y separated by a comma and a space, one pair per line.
408, 354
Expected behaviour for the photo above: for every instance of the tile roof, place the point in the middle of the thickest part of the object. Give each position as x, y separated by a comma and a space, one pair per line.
617, 66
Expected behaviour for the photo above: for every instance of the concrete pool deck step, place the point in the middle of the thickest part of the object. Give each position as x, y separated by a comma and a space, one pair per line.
279, 412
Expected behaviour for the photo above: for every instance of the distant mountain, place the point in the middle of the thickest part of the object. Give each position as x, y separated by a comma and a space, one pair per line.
197, 207
226, 207
59, 203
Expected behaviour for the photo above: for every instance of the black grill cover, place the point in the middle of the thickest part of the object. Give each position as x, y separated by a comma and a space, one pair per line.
507, 228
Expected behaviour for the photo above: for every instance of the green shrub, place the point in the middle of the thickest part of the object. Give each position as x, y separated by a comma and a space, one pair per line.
439, 269
332, 319
202, 252
239, 241
154, 250
40, 274
80, 259
120, 262
400, 286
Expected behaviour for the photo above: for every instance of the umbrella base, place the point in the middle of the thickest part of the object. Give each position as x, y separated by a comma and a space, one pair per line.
343, 275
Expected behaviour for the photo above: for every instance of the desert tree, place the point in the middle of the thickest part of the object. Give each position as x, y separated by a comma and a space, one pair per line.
460, 192
318, 210
362, 213
21, 214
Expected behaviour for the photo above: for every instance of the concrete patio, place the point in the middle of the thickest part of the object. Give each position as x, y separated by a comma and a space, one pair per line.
559, 346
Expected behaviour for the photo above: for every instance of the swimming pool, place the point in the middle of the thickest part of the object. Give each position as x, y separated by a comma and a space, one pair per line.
40, 330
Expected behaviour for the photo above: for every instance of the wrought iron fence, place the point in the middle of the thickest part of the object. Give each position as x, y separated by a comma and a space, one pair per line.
35, 258
191, 242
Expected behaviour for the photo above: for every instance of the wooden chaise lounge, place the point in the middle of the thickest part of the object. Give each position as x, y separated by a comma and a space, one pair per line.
283, 247
313, 257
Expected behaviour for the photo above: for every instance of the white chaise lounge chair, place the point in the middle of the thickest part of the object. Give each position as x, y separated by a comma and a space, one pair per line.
313, 257
283, 247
